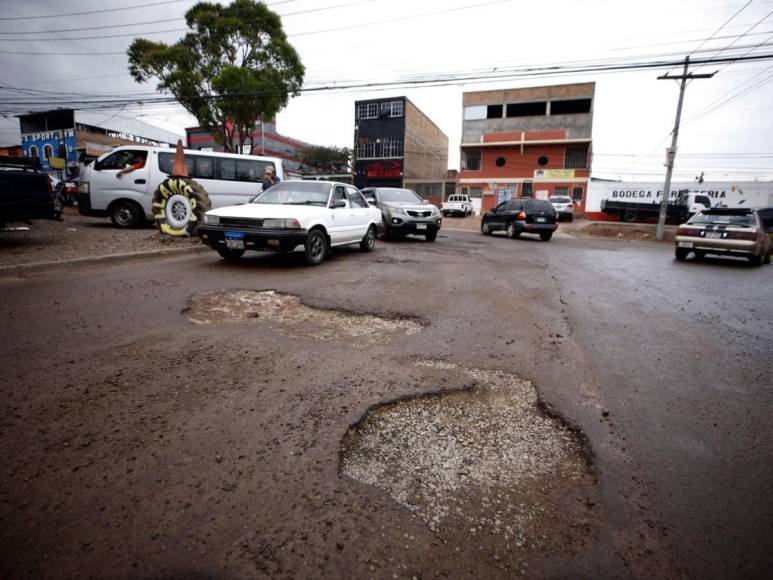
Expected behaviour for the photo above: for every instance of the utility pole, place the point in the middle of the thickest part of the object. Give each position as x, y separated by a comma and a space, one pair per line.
671, 154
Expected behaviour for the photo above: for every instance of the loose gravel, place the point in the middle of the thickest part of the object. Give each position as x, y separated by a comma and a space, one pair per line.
475, 455
292, 317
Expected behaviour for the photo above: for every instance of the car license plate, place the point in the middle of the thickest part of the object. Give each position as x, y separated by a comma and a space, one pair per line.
685, 244
421, 226
540, 220
234, 240
714, 235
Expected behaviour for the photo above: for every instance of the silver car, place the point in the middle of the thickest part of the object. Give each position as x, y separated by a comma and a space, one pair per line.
404, 212
725, 231
563, 206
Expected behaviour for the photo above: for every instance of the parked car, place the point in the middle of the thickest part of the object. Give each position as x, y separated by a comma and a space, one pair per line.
313, 215
127, 199
727, 231
405, 212
26, 193
563, 206
521, 216
457, 205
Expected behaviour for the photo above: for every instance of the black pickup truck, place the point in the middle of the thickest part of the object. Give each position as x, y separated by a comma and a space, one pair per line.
25, 193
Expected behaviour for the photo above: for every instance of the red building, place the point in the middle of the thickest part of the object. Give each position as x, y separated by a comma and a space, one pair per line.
532, 142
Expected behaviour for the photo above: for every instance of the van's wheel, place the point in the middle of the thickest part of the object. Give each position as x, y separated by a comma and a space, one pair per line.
126, 214
316, 247
230, 255
367, 243
681, 254
179, 205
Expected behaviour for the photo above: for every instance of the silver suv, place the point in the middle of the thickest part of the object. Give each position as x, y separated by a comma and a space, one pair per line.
404, 212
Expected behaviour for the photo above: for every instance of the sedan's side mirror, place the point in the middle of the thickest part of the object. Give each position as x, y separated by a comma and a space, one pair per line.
338, 203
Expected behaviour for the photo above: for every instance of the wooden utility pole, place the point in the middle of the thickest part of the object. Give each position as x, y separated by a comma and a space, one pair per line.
671, 153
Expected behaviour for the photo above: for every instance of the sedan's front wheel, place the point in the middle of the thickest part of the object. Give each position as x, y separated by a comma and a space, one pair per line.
367, 243
315, 248
230, 255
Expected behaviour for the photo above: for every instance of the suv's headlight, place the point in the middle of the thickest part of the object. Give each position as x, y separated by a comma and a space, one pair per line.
211, 220
288, 223
396, 211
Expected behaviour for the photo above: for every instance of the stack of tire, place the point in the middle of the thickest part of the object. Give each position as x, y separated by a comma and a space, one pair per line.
179, 205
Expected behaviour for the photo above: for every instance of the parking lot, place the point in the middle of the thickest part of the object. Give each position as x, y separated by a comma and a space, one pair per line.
472, 407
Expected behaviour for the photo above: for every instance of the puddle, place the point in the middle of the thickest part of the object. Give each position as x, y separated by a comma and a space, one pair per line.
485, 457
290, 316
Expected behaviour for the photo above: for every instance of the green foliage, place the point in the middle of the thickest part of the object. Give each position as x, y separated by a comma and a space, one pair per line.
234, 67
325, 160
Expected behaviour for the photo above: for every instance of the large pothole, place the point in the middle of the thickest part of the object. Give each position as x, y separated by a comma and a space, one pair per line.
485, 458
294, 318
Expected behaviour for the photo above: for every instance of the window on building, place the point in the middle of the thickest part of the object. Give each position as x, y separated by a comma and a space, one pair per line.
526, 189
476, 192
369, 111
396, 109
561, 190
576, 157
465, 191
570, 107
392, 147
366, 149
577, 193
526, 109
471, 161
494, 111
475, 113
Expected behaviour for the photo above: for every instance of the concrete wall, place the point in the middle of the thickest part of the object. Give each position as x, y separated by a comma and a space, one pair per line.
577, 126
425, 146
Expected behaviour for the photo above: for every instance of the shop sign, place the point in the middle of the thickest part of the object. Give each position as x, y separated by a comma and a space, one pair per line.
384, 170
554, 174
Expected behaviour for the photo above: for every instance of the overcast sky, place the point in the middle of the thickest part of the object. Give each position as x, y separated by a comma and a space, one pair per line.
727, 130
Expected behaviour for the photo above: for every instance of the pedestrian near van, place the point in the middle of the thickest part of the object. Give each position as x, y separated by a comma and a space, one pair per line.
269, 179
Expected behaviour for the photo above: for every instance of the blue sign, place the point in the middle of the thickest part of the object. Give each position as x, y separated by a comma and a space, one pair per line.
45, 144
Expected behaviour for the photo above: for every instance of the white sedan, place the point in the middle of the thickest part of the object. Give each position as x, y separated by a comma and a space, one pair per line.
314, 215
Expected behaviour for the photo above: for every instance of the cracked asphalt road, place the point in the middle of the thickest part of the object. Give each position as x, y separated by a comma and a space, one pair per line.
139, 444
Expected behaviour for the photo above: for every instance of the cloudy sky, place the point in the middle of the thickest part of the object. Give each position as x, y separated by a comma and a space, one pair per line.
727, 130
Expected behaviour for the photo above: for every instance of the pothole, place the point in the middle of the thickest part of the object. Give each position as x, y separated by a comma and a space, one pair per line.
485, 458
294, 318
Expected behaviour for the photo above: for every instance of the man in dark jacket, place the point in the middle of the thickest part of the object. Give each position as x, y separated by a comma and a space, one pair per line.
269, 178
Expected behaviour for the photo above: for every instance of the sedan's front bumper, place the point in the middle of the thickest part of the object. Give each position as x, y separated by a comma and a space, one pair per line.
259, 239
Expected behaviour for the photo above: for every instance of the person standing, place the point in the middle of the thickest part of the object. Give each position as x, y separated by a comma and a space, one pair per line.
269, 179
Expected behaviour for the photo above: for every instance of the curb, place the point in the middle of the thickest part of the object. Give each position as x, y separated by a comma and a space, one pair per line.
111, 259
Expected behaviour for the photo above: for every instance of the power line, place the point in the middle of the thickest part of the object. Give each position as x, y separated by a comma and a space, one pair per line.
42, 16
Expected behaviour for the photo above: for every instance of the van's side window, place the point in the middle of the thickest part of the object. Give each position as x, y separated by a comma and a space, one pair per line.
246, 171
166, 164
204, 167
227, 169
119, 159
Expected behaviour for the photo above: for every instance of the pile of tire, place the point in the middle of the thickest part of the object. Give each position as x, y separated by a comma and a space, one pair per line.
179, 205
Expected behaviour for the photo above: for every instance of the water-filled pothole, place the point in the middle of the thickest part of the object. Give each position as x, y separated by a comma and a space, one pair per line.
485, 457
290, 315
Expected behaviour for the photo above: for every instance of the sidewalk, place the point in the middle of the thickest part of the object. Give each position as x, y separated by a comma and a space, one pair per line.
81, 240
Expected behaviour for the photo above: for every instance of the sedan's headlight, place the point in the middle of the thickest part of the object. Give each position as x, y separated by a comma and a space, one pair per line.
211, 220
287, 223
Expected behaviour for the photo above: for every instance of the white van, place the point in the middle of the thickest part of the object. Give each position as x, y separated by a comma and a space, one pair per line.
108, 190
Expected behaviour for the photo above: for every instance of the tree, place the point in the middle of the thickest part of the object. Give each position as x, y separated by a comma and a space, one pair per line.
233, 69
325, 160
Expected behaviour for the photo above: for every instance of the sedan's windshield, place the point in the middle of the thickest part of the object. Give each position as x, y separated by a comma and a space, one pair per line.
295, 193
734, 219
405, 195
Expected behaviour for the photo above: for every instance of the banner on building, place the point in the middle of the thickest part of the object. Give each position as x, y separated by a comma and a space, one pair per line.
554, 174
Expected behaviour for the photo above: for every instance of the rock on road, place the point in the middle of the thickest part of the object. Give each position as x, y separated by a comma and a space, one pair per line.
140, 443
